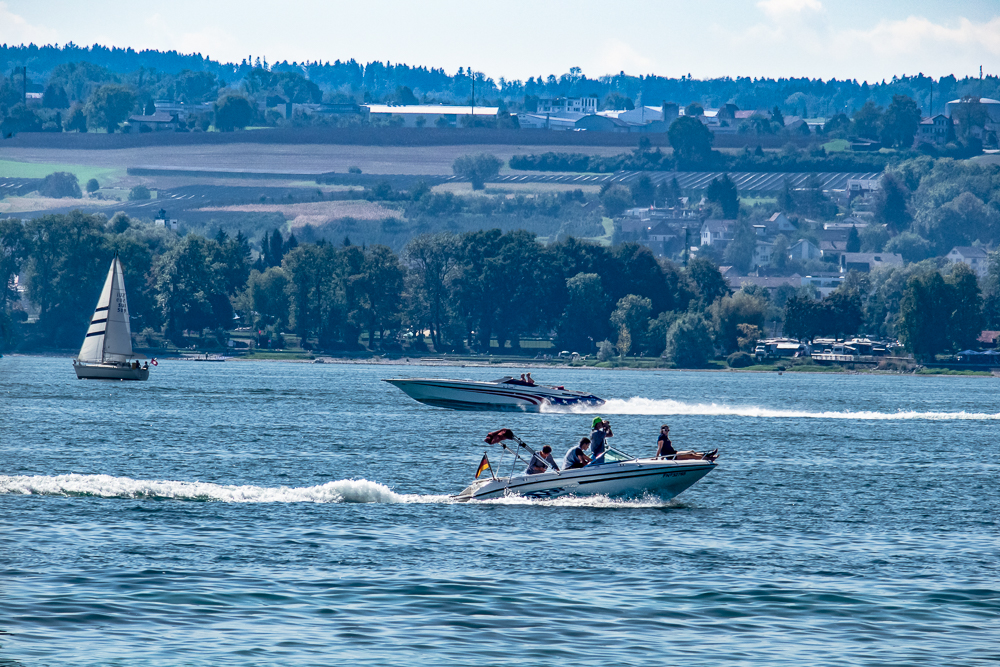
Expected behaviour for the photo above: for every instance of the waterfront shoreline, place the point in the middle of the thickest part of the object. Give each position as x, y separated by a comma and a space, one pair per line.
536, 364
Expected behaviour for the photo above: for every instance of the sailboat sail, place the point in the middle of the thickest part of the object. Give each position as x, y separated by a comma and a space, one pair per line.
109, 337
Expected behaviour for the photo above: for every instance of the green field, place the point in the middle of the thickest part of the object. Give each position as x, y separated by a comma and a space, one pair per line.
12, 169
837, 145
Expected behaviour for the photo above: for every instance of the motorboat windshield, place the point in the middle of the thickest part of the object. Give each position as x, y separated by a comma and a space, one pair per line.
612, 455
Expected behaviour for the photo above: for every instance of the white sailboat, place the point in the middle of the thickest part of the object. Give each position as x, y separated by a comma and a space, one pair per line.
106, 353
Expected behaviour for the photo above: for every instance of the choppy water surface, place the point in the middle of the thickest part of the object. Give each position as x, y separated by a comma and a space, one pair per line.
269, 513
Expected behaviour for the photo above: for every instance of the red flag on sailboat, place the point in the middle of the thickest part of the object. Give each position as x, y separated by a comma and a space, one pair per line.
153, 361
483, 465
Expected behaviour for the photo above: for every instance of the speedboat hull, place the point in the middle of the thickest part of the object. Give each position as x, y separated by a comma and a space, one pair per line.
495, 396
85, 371
662, 477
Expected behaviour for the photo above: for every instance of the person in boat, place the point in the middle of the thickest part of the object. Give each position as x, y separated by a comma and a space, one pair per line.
523, 382
541, 461
665, 449
601, 431
145, 366
577, 457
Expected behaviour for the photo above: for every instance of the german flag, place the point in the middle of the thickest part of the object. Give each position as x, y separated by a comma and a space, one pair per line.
483, 465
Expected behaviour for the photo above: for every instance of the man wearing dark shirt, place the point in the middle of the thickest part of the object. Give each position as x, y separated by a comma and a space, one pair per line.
540, 463
576, 457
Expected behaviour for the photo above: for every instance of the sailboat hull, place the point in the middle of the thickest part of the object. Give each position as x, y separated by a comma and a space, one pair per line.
110, 372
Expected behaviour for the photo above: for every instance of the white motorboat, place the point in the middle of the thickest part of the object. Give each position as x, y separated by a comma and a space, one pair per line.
106, 353
505, 394
618, 475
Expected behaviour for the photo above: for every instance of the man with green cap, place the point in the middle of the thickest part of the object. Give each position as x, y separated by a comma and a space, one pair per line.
601, 430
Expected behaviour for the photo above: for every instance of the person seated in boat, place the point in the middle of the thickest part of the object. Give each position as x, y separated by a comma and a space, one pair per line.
145, 366
577, 457
665, 449
541, 462
529, 381
601, 431
135, 365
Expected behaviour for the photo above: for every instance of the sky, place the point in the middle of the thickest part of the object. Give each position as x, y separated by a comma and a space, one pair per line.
847, 39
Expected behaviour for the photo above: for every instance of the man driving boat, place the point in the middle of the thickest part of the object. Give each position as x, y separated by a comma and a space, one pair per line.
577, 457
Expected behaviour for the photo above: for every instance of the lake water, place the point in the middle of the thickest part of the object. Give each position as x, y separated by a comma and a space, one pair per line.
298, 514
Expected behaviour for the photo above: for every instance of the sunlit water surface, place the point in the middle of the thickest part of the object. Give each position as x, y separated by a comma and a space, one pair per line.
292, 514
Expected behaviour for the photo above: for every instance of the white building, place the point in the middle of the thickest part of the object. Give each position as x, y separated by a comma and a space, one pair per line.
975, 258
429, 115
538, 121
762, 254
717, 232
804, 250
567, 105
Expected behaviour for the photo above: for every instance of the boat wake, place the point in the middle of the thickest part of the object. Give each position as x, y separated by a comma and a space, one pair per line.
340, 491
107, 486
649, 406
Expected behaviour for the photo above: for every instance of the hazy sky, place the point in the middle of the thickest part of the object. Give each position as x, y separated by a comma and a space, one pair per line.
862, 39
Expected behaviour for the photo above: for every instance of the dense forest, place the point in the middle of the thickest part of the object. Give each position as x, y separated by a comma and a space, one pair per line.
463, 290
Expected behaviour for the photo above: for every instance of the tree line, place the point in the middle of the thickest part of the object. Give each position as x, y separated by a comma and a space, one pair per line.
383, 81
130, 80
466, 292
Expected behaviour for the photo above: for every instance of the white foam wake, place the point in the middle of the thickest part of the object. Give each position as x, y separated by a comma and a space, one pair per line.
649, 406
107, 486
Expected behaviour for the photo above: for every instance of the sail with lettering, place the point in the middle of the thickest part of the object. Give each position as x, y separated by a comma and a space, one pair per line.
107, 347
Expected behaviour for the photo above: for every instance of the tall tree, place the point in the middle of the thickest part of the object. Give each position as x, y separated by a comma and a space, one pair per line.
233, 112
853, 240
689, 341
190, 291
432, 261
13, 249
383, 289
691, 140
966, 305
801, 317
868, 121
707, 281
900, 122
66, 265
722, 191
109, 106
585, 319
925, 316
477, 168
739, 252
631, 318
643, 191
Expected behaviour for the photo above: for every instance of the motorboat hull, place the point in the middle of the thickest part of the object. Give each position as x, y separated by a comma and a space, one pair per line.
662, 477
85, 371
493, 396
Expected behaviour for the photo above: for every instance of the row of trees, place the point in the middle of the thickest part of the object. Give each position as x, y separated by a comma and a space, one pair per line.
467, 291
